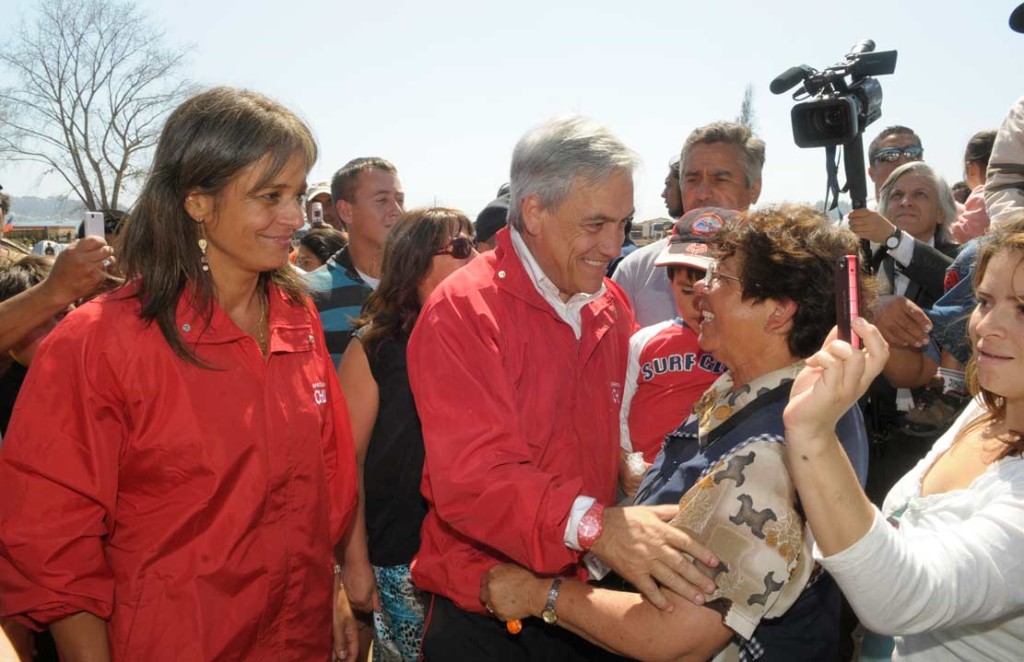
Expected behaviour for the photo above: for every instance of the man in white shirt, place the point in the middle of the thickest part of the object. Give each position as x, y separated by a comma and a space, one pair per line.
720, 166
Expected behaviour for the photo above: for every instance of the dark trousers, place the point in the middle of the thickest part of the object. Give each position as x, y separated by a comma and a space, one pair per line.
454, 635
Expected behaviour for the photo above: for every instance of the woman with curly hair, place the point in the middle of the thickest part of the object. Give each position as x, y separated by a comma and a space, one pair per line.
767, 303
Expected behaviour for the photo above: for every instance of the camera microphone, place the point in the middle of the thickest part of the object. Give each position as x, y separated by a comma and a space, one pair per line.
790, 77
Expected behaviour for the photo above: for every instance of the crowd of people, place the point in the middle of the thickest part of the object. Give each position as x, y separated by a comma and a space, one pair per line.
413, 436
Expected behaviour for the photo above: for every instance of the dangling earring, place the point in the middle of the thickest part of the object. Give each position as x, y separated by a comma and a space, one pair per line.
202, 254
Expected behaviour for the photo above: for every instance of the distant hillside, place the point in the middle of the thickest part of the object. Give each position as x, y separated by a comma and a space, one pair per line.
55, 209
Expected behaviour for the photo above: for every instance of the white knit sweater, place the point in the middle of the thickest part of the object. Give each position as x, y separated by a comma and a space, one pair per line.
949, 582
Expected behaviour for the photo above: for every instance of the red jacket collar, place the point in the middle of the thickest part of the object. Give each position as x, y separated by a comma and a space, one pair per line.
291, 326
510, 274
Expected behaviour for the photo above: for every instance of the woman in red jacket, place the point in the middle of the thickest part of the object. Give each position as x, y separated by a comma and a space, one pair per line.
179, 464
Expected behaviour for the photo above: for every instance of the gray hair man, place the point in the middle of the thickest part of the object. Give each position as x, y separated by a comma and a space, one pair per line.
720, 165
517, 364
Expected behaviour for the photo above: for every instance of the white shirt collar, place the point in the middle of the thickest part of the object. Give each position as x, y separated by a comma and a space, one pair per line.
569, 311
374, 283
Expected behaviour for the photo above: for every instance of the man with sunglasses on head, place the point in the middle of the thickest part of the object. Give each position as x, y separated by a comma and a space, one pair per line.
890, 149
517, 364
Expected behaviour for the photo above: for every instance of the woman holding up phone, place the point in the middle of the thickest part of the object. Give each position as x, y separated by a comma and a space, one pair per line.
940, 566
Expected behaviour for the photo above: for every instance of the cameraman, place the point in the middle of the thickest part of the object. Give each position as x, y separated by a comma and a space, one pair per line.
891, 148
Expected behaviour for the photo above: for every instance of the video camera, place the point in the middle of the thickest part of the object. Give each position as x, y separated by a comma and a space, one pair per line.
839, 109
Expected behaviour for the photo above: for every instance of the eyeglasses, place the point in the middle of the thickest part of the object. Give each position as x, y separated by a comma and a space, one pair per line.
459, 248
713, 273
894, 154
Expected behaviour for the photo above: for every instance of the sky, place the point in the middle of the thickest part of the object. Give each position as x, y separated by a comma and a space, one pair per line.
445, 88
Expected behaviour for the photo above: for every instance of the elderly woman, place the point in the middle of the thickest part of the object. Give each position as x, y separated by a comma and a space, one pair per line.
911, 233
939, 566
767, 303
911, 256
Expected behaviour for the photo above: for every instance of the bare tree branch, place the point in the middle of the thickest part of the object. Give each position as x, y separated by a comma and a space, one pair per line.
94, 85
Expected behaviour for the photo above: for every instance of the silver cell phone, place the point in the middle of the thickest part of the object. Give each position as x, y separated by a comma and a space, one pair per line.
94, 224
317, 212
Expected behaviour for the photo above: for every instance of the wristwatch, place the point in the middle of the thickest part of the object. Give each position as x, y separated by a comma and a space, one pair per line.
549, 615
893, 240
590, 527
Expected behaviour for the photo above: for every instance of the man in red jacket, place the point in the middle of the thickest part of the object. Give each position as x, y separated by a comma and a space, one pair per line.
517, 364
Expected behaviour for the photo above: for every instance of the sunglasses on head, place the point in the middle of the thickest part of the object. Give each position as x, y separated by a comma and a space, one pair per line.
458, 247
894, 154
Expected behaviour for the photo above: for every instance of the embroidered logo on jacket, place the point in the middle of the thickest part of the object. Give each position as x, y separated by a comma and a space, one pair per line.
320, 393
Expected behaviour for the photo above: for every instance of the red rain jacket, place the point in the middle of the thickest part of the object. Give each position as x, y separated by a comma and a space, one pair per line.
519, 418
195, 509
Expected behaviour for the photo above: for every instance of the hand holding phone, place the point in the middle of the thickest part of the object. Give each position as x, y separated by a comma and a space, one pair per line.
847, 297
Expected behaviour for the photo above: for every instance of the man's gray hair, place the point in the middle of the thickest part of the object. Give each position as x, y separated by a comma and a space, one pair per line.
732, 133
548, 159
942, 190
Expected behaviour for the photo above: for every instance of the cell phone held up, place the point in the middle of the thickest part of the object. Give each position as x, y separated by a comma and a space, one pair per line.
94, 224
316, 213
847, 297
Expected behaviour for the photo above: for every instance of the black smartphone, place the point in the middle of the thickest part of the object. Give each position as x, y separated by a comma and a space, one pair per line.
847, 297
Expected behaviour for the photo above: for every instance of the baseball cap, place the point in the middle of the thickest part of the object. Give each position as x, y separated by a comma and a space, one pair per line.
318, 188
688, 245
492, 218
1017, 19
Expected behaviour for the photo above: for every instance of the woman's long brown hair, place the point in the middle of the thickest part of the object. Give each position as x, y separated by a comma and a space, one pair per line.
207, 141
393, 307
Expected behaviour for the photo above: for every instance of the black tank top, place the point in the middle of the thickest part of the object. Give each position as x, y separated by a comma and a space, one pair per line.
393, 469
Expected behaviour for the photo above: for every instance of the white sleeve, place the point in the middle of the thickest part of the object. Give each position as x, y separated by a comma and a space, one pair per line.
579, 508
1004, 186
637, 343
904, 251
906, 583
